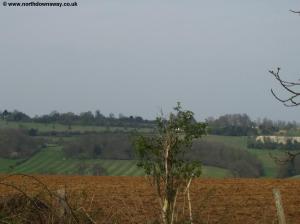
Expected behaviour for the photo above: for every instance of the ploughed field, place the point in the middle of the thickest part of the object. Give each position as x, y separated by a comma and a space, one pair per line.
133, 200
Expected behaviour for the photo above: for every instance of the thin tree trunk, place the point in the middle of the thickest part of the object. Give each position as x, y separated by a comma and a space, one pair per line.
190, 205
187, 190
174, 206
166, 202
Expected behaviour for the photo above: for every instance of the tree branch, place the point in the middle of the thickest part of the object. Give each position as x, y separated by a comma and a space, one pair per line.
297, 12
290, 101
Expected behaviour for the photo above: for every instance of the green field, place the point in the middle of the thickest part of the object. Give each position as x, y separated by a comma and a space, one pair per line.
237, 141
52, 161
215, 172
7, 164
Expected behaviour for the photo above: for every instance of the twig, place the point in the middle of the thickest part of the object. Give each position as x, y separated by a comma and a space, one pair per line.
290, 101
298, 12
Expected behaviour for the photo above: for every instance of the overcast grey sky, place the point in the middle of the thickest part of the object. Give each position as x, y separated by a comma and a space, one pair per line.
135, 57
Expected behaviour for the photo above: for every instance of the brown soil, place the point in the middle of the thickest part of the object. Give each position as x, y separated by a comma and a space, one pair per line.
132, 199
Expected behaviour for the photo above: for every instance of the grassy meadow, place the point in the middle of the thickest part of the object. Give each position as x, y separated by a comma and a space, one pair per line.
52, 161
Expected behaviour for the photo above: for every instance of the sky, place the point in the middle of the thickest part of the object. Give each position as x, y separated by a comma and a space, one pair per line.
137, 57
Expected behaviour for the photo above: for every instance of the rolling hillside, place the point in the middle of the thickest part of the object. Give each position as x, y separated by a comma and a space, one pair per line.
52, 161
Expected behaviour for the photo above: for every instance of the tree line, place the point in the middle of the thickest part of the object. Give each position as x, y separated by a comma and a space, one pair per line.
84, 118
228, 124
242, 125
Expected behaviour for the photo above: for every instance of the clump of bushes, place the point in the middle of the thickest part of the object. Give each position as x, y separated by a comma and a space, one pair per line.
95, 169
240, 162
15, 143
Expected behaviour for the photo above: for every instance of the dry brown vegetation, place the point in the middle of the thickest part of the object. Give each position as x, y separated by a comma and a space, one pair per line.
28, 200
132, 199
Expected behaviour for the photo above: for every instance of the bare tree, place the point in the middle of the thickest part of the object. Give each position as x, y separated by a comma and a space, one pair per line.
290, 101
